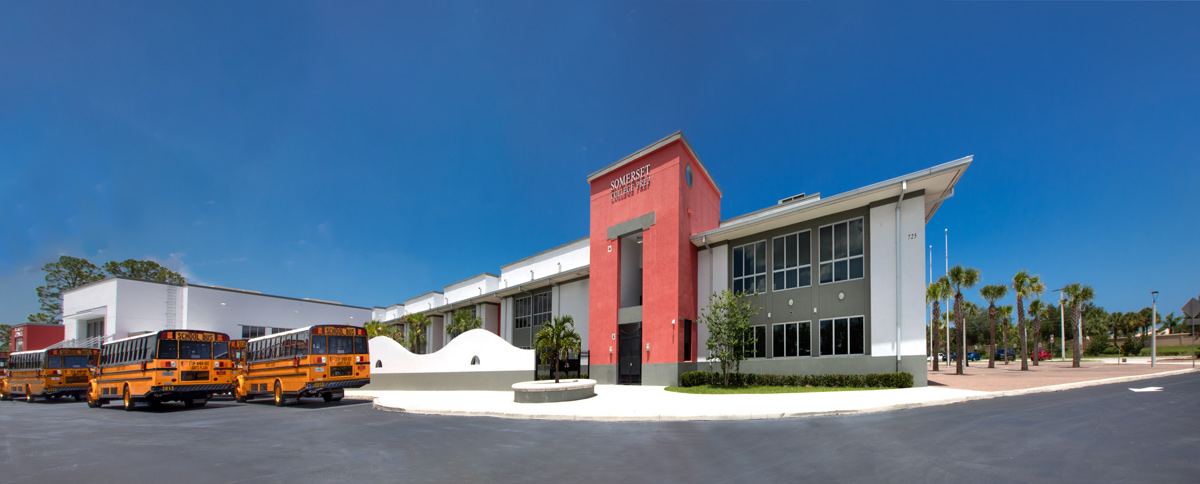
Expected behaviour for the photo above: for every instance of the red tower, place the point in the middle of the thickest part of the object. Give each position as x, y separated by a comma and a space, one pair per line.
642, 296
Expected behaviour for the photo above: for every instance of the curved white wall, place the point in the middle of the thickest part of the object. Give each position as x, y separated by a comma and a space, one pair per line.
494, 354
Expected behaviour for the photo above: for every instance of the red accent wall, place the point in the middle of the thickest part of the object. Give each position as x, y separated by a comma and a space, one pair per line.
669, 258
35, 337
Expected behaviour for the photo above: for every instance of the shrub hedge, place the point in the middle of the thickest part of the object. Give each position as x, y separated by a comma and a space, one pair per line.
874, 380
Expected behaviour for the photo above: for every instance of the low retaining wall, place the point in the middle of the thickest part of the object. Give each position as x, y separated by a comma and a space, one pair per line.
546, 391
496, 381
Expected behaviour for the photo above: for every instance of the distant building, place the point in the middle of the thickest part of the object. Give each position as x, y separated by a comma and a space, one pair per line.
840, 279
34, 336
118, 307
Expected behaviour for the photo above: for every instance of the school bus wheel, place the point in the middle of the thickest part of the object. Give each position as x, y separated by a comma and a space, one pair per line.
93, 402
279, 399
128, 400
238, 394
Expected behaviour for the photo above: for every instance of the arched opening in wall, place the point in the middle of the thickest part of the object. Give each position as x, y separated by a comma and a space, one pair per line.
474, 360
378, 363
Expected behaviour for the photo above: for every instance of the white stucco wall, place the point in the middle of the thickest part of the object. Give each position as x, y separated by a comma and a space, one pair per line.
474, 287
227, 311
494, 354
100, 296
561, 259
142, 307
712, 277
424, 303
912, 278
572, 299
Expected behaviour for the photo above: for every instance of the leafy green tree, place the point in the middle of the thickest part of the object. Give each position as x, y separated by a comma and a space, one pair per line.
5, 333
462, 321
991, 294
65, 274
961, 278
936, 292
143, 269
1078, 296
1025, 285
418, 325
729, 335
556, 340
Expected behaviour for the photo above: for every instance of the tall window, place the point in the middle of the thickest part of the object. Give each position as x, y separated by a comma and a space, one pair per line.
95, 327
842, 336
750, 267
792, 339
531, 311
842, 251
791, 260
759, 348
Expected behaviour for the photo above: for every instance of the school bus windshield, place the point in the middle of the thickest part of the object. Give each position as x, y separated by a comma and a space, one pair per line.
221, 351
185, 350
66, 362
338, 345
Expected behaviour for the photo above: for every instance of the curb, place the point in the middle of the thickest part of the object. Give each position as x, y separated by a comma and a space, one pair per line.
828, 413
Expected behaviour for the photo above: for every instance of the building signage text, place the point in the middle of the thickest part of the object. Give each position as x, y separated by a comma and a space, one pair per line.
628, 185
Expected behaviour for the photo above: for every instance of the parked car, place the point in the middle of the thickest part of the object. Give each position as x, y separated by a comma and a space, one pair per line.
1009, 354
1043, 355
973, 356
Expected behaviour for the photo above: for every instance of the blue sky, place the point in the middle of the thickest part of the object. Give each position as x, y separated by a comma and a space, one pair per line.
370, 153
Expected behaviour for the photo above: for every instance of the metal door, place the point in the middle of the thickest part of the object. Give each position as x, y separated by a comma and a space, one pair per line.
629, 354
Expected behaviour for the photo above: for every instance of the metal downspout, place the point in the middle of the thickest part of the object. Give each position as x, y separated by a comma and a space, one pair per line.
903, 189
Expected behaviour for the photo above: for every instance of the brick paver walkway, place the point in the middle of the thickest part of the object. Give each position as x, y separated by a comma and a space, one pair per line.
1010, 377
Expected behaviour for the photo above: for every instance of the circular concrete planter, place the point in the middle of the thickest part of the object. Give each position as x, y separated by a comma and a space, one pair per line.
546, 391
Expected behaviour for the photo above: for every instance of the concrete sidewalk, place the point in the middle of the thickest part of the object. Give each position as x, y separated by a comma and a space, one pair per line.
648, 403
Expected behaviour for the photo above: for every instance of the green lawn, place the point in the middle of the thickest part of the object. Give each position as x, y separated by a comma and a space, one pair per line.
750, 390
1184, 350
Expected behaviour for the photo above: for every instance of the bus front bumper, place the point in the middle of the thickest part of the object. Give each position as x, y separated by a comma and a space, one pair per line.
171, 390
323, 386
65, 390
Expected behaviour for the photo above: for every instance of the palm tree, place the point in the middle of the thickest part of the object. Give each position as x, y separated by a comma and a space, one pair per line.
556, 339
961, 278
376, 328
1170, 320
1117, 324
1036, 310
462, 321
935, 293
1005, 314
991, 294
417, 324
1078, 295
1025, 285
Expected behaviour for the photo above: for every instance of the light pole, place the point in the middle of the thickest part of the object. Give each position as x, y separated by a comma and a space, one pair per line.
1062, 321
947, 302
1153, 329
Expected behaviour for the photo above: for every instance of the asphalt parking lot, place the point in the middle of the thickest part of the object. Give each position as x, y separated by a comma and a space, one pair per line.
1098, 434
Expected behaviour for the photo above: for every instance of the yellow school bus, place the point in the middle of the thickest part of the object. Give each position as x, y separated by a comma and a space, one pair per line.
169, 365
307, 362
3, 371
49, 374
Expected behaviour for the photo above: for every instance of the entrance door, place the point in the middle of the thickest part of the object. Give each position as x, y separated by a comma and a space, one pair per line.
629, 354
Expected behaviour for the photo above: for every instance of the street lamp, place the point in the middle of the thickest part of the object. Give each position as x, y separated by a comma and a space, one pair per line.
1153, 329
1062, 320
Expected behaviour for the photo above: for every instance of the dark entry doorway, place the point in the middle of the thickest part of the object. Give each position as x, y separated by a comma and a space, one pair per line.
629, 354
